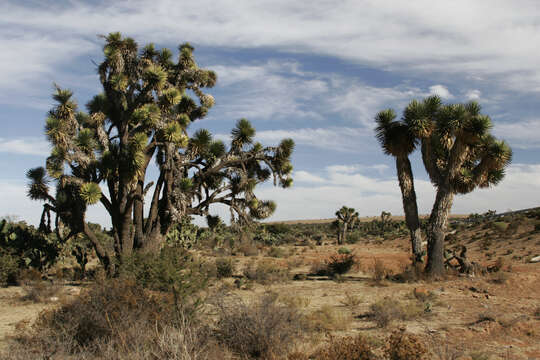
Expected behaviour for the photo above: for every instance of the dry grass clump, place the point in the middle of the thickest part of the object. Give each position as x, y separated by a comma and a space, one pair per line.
266, 272
403, 346
379, 270
263, 329
351, 300
297, 302
334, 265
387, 310
113, 320
41, 291
328, 318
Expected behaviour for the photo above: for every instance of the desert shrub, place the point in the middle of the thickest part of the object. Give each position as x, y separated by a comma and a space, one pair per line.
340, 263
351, 300
224, 267
248, 248
346, 348
9, 269
293, 301
277, 252
41, 291
260, 330
353, 237
388, 310
318, 268
500, 226
116, 319
328, 318
344, 250
173, 269
266, 272
379, 270
402, 346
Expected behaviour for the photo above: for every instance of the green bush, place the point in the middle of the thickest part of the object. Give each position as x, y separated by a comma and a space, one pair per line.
224, 268
340, 263
173, 269
266, 272
9, 270
344, 250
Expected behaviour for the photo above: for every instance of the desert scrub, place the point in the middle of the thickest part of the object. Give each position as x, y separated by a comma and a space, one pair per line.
224, 267
379, 270
351, 300
346, 348
41, 291
328, 318
278, 252
115, 319
266, 272
340, 263
387, 310
402, 346
9, 269
263, 329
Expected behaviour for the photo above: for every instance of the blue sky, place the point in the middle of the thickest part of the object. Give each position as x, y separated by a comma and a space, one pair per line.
315, 71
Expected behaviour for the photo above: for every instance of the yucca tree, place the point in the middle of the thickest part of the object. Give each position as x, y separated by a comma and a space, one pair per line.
398, 141
345, 218
459, 155
144, 113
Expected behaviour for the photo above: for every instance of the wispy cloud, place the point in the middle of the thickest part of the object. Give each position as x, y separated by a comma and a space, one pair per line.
521, 135
25, 146
441, 91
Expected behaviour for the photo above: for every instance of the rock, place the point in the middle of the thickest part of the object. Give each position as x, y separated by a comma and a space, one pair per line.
535, 259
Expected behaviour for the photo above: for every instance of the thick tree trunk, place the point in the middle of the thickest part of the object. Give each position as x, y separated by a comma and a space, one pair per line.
408, 195
138, 216
436, 230
344, 234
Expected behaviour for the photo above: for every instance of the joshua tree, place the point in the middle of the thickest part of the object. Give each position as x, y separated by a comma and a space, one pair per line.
346, 218
142, 114
397, 140
385, 218
459, 155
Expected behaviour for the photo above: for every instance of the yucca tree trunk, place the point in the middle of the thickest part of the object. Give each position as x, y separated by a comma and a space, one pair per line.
344, 233
408, 195
436, 230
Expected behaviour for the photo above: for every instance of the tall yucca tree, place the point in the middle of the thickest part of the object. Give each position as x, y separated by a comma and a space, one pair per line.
345, 218
459, 155
398, 141
144, 113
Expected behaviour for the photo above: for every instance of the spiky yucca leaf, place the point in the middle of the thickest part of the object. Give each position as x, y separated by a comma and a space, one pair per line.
243, 133
200, 141
155, 76
286, 147
86, 140
264, 209
90, 192
175, 134
186, 184
170, 97
38, 188
217, 148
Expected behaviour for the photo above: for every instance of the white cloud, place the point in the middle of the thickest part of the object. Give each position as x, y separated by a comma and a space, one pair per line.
25, 146
473, 94
371, 195
441, 91
419, 35
332, 138
306, 177
521, 135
